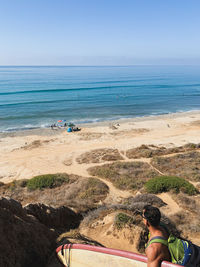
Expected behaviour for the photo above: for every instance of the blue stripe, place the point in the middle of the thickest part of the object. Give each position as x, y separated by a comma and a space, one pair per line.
187, 252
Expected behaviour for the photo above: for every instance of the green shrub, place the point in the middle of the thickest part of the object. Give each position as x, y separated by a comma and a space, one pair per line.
123, 219
166, 183
47, 181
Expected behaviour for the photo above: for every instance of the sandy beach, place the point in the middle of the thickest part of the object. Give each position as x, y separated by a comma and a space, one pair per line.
41, 151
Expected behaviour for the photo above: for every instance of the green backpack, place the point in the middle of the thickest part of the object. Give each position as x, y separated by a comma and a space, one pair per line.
178, 248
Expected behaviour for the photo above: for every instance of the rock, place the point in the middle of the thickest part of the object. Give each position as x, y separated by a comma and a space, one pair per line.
60, 218
24, 241
54, 261
13, 206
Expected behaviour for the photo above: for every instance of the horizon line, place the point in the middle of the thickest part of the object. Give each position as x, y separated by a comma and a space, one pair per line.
127, 65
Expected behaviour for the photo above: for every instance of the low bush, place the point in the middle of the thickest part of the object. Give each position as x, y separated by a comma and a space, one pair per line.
47, 181
166, 183
99, 155
94, 188
145, 151
186, 202
122, 220
149, 199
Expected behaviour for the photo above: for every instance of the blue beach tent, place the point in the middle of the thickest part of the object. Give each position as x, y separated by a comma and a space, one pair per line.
69, 130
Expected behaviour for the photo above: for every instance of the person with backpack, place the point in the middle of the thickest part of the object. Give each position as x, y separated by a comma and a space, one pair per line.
164, 246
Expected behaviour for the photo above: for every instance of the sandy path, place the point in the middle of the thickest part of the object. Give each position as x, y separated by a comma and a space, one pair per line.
115, 195
172, 207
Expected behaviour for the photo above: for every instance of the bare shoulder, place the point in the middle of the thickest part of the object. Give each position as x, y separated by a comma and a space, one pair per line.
156, 253
153, 252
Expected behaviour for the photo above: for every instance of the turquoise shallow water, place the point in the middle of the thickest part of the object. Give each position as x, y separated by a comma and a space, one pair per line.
32, 97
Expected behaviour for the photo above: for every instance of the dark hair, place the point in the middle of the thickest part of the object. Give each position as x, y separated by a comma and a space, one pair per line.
152, 215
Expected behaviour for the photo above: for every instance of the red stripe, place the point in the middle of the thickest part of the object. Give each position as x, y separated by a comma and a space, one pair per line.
110, 251
116, 252
169, 264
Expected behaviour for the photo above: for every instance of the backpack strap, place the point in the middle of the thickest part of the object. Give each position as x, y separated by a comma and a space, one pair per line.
157, 239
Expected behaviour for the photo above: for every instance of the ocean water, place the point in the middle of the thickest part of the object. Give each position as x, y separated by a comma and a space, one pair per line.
32, 97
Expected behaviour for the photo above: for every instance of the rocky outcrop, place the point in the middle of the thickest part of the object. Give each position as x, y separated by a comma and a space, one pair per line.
26, 237
60, 218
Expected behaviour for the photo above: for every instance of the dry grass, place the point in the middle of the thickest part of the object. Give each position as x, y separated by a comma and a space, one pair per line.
186, 202
35, 144
125, 175
195, 123
123, 220
80, 193
145, 151
187, 223
99, 155
92, 215
132, 206
182, 165
102, 211
95, 189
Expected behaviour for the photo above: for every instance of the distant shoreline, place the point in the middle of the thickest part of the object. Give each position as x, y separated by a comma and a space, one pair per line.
47, 131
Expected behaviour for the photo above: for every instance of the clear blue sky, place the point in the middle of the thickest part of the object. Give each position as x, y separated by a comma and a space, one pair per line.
99, 32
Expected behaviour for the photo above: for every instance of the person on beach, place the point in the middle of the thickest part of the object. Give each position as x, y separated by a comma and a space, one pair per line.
157, 248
